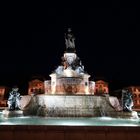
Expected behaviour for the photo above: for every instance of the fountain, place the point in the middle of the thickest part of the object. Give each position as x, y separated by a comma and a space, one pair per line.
69, 93
69, 109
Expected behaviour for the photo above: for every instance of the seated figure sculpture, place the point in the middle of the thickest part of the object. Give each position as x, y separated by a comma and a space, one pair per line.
14, 99
127, 100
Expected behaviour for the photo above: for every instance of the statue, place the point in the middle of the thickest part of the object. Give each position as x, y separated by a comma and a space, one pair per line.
127, 100
14, 99
69, 41
59, 70
80, 68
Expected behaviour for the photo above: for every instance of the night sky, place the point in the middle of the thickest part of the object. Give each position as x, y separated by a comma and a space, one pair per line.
107, 41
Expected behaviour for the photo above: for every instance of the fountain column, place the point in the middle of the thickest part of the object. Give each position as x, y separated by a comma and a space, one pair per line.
53, 83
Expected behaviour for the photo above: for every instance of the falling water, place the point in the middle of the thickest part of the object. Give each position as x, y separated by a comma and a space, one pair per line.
102, 112
72, 106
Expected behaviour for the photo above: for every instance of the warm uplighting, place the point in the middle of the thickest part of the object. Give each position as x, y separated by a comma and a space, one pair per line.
69, 73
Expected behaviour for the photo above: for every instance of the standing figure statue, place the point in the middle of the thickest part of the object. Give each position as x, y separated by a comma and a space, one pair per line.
69, 41
14, 99
127, 100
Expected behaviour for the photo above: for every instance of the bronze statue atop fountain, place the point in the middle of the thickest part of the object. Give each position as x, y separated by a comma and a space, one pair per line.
70, 41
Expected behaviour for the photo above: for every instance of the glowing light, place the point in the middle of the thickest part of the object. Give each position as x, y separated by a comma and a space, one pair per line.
73, 123
106, 118
53, 89
69, 73
87, 90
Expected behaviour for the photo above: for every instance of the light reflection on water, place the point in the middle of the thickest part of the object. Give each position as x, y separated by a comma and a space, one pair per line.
99, 121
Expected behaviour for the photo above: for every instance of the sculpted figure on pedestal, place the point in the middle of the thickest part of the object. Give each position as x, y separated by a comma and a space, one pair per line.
127, 100
14, 99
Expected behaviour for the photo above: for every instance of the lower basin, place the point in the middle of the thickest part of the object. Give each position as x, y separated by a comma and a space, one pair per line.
68, 128
68, 121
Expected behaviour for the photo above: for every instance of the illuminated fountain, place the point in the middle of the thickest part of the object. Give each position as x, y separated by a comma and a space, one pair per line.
69, 93
70, 109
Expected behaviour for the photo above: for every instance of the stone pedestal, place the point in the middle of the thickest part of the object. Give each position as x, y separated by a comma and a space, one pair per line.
62, 84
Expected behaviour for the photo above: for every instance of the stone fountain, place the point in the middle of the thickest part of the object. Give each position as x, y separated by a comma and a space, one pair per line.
69, 93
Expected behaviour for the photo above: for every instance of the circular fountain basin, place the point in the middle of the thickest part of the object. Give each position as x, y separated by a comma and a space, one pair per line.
68, 128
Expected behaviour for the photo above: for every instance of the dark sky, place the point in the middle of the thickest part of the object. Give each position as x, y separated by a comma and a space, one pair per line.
107, 41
